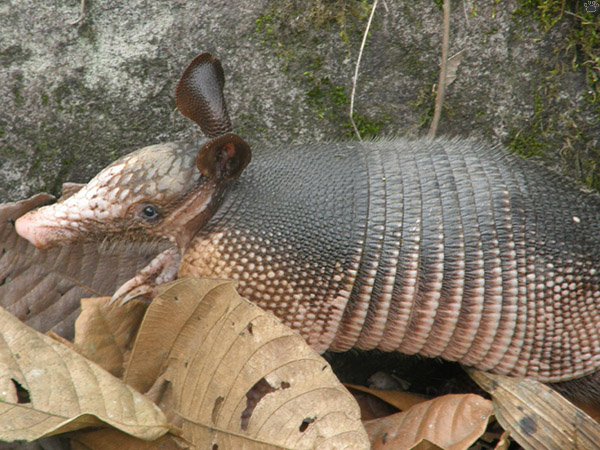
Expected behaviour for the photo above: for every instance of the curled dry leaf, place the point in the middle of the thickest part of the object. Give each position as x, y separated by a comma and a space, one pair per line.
450, 422
238, 378
537, 416
43, 288
47, 388
452, 67
400, 399
504, 441
105, 333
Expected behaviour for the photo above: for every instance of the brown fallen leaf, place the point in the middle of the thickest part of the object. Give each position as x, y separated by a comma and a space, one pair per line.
536, 416
105, 333
47, 388
592, 410
111, 439
504, 442
43, 288
426, 445
400, 399
236, 376
451, 422
371, 407
62, 340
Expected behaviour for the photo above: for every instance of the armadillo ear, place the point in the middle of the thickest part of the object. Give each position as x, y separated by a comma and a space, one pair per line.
199, 95
224, 158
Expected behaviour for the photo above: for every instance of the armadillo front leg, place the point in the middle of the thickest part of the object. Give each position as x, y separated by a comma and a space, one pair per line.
162, 269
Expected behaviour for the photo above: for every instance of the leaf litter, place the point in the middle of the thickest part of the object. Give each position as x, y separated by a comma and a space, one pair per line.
223, 371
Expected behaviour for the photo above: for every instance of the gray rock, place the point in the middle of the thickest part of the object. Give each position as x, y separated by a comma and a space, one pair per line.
74, 97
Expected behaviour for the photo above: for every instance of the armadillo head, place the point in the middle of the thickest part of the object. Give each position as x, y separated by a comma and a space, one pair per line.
164, 191
130, 197
157, 192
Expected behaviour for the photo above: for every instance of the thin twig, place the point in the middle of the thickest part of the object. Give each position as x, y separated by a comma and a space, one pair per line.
441, 89
81, 14
575, 15
362, 46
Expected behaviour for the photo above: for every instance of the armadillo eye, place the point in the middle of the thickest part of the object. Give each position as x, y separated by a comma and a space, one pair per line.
149, 212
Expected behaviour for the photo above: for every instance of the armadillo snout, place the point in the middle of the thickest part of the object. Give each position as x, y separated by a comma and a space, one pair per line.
26, 228
40, 233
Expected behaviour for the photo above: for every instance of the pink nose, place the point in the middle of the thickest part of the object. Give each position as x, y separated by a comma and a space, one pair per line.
27, 229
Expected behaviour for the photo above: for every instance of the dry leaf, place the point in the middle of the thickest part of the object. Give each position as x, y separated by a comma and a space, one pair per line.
371, 407
50, 443
425, 445
62, 340
47, 388
43, 288
452, 67
536, 416
451, 422
504, 442
592, 410
105, 333
111, 439
238, 377
399, 399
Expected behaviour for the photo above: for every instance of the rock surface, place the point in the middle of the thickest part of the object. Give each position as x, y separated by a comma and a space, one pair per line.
78, 92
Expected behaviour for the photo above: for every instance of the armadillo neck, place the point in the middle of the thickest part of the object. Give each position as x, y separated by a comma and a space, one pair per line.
441, 248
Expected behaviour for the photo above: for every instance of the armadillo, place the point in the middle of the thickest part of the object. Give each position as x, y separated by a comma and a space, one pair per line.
444, 248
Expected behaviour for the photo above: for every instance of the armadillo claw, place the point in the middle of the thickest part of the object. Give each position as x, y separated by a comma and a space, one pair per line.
162, 269
132, 289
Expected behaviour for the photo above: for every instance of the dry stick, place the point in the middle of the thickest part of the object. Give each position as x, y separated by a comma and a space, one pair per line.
362, 46
81, 14
441, 90
465, 12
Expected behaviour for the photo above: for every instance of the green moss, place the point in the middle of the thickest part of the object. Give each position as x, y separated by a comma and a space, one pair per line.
264, 26
280, 25
527, 143
558, 131
367, 128
291, 30
582, 45
325, 97
473, 11
329, 102
425, 102
590, 167
547, 12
